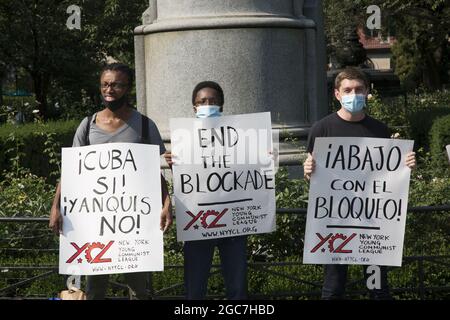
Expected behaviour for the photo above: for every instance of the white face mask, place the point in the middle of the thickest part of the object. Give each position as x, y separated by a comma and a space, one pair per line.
207, 111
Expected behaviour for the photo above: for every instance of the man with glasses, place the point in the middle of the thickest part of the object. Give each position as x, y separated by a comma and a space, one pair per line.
207, 101
117, 122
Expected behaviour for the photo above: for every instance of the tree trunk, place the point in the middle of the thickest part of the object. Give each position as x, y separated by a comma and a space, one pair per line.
431, 73
3, 76
40, 84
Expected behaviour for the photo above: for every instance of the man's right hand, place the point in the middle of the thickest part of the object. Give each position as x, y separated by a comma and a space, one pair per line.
168, 157
309, 166
56, 220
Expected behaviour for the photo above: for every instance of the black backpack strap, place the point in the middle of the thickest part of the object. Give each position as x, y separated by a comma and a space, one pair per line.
88, 128
144, 128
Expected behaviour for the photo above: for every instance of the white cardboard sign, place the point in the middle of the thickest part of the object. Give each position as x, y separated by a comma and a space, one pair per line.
111, 206
223, 175
358, 200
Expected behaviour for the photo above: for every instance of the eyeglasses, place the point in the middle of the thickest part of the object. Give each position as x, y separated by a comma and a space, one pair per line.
206, 101
113, 85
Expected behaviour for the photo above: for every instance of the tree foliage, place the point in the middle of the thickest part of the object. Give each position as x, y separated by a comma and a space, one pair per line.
421, 54
34, 37
421, 27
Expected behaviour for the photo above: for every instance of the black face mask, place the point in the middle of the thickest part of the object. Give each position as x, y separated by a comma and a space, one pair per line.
116, 104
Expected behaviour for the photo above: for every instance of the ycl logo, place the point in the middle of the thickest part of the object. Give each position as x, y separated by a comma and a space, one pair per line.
209, 219
90, 256
333, 246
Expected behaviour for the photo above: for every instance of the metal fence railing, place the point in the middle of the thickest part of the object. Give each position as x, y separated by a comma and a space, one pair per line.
15, 276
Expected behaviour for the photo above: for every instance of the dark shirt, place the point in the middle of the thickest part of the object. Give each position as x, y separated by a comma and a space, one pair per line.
334, 126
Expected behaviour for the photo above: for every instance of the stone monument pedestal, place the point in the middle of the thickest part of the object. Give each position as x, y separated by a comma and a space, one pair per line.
268, 55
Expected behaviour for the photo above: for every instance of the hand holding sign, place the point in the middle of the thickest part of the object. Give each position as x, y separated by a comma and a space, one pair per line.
448, 152
55, 219
309, 166
411, 160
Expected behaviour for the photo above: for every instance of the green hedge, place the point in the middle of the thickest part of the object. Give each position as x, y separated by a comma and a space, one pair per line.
421, 123
30, 142
439, 138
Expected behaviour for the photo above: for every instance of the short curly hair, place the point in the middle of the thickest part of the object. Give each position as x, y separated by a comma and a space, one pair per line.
208, 84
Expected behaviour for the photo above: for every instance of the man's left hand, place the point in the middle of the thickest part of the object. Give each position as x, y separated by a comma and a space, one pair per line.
166, 219
411, 160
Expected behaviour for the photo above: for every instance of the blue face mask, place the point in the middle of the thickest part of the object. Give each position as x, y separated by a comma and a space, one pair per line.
207, 111
354, 103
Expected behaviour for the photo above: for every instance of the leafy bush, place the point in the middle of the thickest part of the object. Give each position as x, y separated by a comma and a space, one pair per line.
36, 146
414, 120
28, 196
285, 241
428, 185
65, 106
421, 123
17, 108
423, 108
428, 233
393, 114
439, 138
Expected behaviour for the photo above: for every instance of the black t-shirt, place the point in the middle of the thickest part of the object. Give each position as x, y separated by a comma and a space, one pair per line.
334, 126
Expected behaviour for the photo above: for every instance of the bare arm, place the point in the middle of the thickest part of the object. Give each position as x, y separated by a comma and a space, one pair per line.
55, 220
166, 213
411, 160
168, 157
308, 167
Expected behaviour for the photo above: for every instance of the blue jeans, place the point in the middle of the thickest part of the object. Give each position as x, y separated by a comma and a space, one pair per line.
96, 286
198, 257
336, 277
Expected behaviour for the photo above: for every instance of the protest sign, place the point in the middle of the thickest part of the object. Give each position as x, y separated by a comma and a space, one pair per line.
111, 207
357, 201
223, 175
